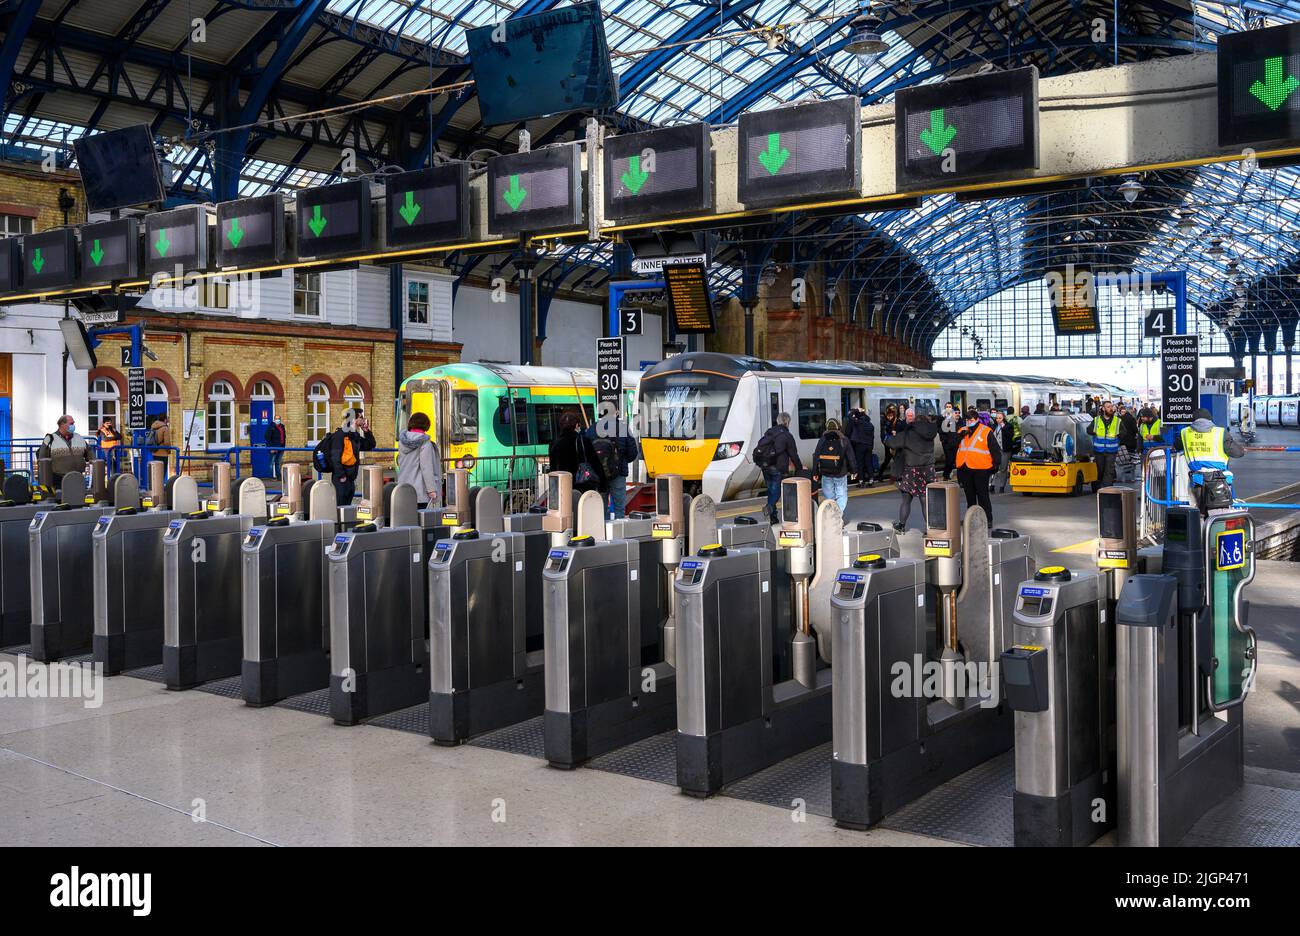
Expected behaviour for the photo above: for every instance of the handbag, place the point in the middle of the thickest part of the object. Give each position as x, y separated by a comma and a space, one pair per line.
585, 473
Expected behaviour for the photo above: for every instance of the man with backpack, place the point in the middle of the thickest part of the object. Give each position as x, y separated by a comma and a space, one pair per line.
776, 455
66, 450
833, 462
343, 448
615, 450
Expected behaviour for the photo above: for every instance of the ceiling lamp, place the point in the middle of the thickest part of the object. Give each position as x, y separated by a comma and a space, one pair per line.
1131, 188
865, 40
1216, 247
1185, 223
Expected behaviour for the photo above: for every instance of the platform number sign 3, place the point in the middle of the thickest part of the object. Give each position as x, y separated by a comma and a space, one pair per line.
631, 324
1230, 550
1158, 323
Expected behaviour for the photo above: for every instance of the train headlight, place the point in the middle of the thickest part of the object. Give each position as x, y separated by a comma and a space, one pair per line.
727, 450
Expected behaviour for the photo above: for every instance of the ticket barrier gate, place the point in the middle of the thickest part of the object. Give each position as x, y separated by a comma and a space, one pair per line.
741, 705
893, 742
285, 607
202, 578
1186, 660
20, 503
59, 544
127, 551
601, 692
378, 651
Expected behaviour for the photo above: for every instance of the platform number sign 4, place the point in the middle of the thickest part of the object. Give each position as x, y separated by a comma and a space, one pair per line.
631, 321
1158, 323
1230, 550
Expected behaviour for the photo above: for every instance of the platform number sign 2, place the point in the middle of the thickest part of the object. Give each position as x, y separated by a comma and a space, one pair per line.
631, 323
1158, 323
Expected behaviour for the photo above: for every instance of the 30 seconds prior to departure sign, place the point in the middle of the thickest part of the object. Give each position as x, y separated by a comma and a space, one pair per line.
1259, 85
658, 174
689, 302
250, 231
427, 207
536, 191
969, 128
794, 153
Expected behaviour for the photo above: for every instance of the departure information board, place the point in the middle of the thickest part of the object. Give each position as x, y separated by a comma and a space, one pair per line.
49, 260
250, 231
809, 150
536, 191
427, 207
1259, 85
110, 251
11, 277
334, 221
969, 128
658, 174
688, 298
1074, 301
176, 239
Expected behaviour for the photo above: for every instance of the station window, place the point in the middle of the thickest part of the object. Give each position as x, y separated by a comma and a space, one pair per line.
465, 416
15, 224
262, 390
104, 399
318, 412
812, 418
307, 294
417, 302
221, 415
353, 395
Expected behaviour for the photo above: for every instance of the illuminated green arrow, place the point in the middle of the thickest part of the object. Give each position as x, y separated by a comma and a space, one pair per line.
162, 243
38, 262
514, 195
235, 234
317, 223
96, 253
634, 178
410, 210
774, 157
938, 135
1274, 89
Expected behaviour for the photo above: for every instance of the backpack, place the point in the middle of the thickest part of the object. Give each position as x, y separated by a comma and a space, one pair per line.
151, 437
765, 452
607, 455
348, 456
830, 461
320, 455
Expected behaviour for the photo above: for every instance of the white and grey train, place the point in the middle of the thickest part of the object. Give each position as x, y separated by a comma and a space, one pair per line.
1279, 412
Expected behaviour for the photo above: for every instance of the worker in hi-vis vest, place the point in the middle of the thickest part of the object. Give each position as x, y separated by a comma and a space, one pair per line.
1206, 447
1104, 430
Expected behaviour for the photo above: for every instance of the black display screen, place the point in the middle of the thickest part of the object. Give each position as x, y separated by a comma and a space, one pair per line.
1259, 85
110, 251
11, 276
790, 503
936, 508
119, 169
662, 497
798, 152
968, 128
535, 191
176, 239
334, 221
427, 207
1073, 292
49, 260
1110, 516
689, 302
250, 231
658, 174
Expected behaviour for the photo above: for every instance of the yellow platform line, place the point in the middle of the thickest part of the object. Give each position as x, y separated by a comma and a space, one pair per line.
1087, 547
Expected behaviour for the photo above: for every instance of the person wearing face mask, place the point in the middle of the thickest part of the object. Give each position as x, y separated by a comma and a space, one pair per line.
66, 450
274, 438
978, 451
346, 445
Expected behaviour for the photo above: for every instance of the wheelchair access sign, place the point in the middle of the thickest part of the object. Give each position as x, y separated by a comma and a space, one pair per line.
1229, 550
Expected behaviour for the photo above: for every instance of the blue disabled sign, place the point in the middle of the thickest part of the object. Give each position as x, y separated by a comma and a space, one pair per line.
1230, 550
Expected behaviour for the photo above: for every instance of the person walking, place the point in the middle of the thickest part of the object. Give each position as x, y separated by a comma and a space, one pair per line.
419, 463
776, 456
862, 435
351, 439
978, 451
616, 451
914, 464
833, 462
573, 452
67, 451
1006, 438
1104, 430
1130, 445
110, 445
274, 438
889, 425
948, 427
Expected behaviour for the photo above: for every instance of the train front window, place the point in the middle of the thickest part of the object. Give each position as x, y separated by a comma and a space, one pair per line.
464, 416
686, 406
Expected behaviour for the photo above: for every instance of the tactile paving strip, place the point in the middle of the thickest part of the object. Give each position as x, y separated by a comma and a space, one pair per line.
79, 658
974, 808
526, 738
316, 703
414, 719
232, 687
18, 649
1257, 816
805, 777
150, 673
653, 758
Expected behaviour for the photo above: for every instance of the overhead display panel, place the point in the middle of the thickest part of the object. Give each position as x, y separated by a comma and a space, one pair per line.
1259, 86
110, 251
176, 239
250, 231
658, 174
689, 303
49, 260
334, 221
795, 153
1074, 300
427, 207
11, 276
536, 191
968, 129
119, 168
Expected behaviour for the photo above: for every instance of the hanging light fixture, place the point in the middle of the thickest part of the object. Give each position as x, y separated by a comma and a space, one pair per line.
1216, 247
1185, 223
865, 40
1131, 188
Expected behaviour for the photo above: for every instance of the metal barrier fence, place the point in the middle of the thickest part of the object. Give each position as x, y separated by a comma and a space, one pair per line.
1155, 504
517, 477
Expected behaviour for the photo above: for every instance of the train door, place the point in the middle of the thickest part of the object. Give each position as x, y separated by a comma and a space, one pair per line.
851, 398
432, 397
771, 395
1289, 410
1274, 412
958, 400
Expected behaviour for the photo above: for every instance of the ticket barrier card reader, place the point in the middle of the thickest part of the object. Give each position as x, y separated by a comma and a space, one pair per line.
599, 694
16, 512
128, 555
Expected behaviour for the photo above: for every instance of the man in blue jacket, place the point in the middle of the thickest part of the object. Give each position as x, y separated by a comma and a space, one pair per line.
617, 450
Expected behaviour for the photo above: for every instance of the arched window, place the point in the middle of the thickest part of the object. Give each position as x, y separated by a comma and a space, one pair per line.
221, 415
353, 395
262, 390
155, 391
104, 399
318, 412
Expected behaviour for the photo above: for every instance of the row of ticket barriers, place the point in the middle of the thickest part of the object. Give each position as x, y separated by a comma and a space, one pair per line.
1120, 688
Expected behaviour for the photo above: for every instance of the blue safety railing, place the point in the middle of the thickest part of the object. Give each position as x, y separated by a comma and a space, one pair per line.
1168, 501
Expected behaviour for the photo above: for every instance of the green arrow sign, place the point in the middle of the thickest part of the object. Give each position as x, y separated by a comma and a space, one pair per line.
317, 223
96, 253
162, 243
235, 234
1273, 91
514, 195
634, 177
410, 210
38, 262
774, 157
938, 135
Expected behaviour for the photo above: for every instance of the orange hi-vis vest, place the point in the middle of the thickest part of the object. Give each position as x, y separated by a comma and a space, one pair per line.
974, 449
